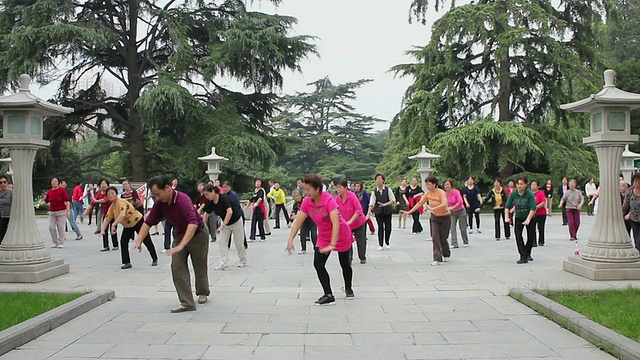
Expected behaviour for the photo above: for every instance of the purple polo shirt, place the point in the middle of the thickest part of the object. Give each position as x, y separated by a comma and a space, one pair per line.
180, 212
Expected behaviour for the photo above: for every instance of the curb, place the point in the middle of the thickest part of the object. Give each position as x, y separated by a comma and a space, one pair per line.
600, 336
28, 330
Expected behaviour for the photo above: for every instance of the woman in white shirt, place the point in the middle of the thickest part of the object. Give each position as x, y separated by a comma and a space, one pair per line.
590, 190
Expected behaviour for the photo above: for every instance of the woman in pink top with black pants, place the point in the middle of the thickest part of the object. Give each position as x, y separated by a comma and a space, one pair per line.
333, 234
351, 210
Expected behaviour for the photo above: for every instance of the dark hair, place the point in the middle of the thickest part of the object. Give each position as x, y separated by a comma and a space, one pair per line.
472, 178
199, 183
381, 175
112, 188
63, 181
3, 176
226, 183
358, 183
314, 181
431, 179
536, 181
523, 179
105, 181
261, 182
159, 181
635, 177
54, 177
451, 182
498, 180
344, 183
511, 180
212, 188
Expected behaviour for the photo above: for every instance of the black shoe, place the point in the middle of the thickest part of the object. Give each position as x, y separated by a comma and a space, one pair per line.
115, 248
96, 232
529, 258
277, 227
522, 261
564, 224
267, 234
540, 244
508, 237
105, 249
326, 300
363, 261
350, 295
454, 247
534, 245
154, 263
126, 266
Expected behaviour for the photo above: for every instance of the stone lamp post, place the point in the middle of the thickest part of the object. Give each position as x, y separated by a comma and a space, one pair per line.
23, 256
424, 163
609, 254
627, 165
213, 161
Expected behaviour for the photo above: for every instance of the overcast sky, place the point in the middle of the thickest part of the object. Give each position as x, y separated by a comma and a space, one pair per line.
357, 39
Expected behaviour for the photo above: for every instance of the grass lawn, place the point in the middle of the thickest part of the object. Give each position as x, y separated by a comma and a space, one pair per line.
619, 310
18, 307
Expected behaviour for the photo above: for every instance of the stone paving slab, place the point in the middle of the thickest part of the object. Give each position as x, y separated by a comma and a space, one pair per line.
404, 308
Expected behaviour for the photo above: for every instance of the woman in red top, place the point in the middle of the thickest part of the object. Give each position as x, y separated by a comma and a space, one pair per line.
541, 211
59, 209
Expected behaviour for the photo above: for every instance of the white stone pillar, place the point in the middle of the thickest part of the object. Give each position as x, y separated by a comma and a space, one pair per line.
22, 243
609, 241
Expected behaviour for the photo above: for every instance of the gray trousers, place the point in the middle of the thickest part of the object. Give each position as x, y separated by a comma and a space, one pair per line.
198, 250
237, 230
459, 217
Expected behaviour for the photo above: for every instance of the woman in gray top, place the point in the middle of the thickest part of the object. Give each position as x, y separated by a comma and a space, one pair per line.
5, 205
631, 208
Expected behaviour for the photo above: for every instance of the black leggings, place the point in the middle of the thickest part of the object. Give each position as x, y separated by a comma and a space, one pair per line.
114, 237
319, 262
470, 214
384, 228
539, 221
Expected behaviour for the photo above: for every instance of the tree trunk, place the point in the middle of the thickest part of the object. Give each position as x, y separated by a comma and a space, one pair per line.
136, 134
504, 93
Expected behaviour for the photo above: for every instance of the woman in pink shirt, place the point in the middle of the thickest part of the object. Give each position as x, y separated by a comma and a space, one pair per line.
333, 234
351, 210
458, 214
541, 211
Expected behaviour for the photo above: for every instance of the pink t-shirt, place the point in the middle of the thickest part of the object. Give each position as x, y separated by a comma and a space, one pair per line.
540, 197
350, 207
454, 199
320, 215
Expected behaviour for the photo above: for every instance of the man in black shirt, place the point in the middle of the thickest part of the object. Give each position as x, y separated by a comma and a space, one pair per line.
231, 214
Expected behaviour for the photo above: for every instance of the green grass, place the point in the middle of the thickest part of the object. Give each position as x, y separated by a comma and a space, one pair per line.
618, 310
18, 307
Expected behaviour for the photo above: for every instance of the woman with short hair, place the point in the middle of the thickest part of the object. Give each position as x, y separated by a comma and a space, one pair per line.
381, 204
333, 235
572, 202
458, 214
59, 209
524, 204
351, 211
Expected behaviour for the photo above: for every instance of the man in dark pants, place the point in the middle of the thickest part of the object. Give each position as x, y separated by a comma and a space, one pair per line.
564, 187
191, 240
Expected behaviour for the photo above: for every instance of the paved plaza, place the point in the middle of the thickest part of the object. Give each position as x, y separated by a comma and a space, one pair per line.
404, 308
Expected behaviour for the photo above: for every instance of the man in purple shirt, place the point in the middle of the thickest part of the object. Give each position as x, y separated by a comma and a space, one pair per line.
191, 239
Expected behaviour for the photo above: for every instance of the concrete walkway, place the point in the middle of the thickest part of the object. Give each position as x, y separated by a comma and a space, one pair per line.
404, 308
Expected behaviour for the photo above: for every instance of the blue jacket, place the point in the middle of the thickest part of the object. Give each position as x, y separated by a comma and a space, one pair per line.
364, 201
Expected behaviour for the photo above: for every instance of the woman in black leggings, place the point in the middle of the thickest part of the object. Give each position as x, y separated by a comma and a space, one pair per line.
473, 203
381, 204
333, 235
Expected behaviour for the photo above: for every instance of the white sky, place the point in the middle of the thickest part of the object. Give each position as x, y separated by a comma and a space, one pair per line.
357, 39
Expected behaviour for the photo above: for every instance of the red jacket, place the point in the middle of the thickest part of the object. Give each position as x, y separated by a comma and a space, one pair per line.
77, 193
57, 199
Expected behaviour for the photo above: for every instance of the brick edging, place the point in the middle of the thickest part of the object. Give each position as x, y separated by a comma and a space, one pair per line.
600, 336
28, 330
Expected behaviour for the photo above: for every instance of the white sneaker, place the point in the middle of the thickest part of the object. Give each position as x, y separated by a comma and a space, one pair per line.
470, 231
60, 246
479, 231
429, 238
465, 245
163, 251
379, 248
241, 264
435, 263
446, 259
388, 247
223, 268
54, 246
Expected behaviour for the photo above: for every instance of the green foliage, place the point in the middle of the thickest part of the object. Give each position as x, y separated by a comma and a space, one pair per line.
325, 136
165, 55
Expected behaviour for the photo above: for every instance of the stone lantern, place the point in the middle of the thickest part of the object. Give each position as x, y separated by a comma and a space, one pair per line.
609, 253
424, 163
23, 256
627, 165
213, 161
